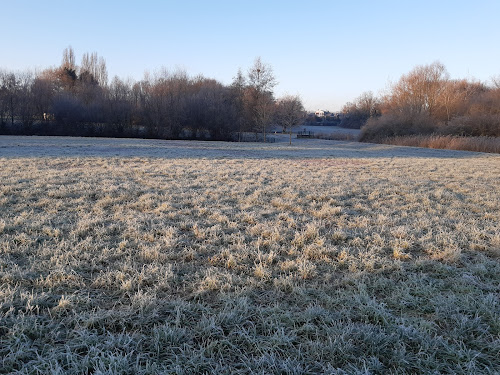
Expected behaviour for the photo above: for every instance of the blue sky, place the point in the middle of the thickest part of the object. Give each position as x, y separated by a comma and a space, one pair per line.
329, 52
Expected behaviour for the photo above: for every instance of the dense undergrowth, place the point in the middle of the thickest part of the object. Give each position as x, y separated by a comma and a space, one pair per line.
477, 144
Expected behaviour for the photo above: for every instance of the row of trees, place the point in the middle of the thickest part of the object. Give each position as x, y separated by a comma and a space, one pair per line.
79, 100
426, 101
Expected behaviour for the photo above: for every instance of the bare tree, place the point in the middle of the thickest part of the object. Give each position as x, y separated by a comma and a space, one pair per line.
357, 113
261, 84
496, 81
119, 106
10, 88
289, 113
4, 97
162, 100
94, 68
418, 91
455, 98
43, 95
210, 110
68, 60
238, 87
26, 110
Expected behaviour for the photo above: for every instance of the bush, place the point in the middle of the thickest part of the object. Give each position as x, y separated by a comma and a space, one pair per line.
479, 124
391, 125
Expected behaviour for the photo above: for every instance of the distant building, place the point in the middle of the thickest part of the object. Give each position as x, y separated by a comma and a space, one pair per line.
320, 113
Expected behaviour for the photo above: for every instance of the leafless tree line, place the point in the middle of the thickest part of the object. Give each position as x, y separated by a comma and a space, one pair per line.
427, 101
79, 100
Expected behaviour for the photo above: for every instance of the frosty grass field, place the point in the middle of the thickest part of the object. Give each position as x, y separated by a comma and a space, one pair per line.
148, 256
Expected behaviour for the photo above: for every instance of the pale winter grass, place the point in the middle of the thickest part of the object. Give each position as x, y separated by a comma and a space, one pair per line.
448, 142
365, 264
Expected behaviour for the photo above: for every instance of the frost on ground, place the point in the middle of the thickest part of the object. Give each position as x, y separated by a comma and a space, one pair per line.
142, 256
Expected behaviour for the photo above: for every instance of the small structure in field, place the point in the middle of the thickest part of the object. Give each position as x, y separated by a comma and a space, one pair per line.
305, 134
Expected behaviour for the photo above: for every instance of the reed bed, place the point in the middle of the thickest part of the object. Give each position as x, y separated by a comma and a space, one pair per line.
448, 142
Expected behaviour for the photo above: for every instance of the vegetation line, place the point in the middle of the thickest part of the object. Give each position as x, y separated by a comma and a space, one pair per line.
78, 100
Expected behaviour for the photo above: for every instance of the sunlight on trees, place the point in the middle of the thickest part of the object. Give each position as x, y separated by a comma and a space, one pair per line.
427, 101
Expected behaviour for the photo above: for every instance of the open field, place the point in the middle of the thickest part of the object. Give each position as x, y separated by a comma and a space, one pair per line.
145, 256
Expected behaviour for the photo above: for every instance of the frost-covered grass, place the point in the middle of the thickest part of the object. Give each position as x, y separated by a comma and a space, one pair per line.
140, 257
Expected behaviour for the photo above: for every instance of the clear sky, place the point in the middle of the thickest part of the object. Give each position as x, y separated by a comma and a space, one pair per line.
329, 52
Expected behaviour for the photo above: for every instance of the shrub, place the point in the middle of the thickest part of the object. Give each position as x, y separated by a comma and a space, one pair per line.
391, 125
479, 124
